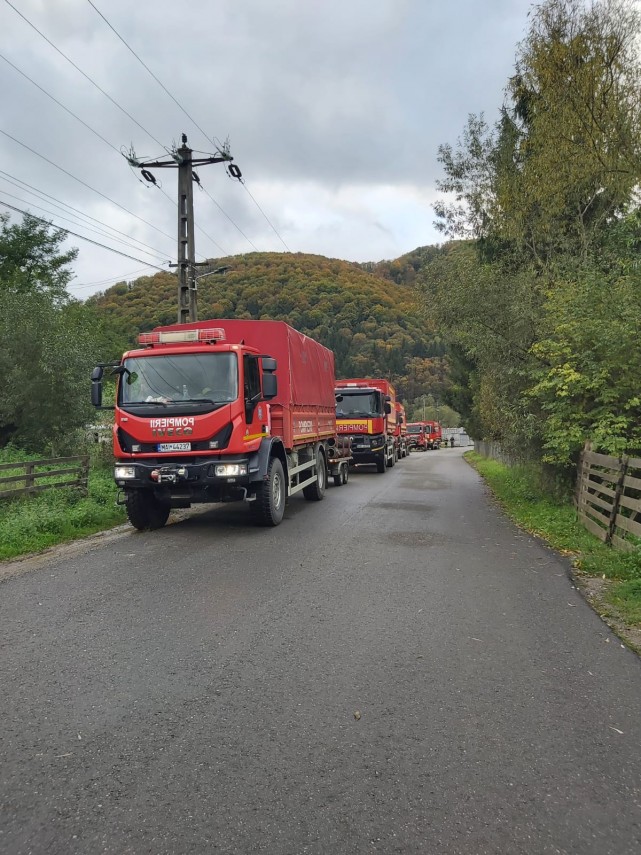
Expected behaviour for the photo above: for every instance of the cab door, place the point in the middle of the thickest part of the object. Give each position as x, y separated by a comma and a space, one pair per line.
256, 410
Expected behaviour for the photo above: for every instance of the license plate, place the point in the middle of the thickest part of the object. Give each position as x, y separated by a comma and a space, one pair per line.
174, 446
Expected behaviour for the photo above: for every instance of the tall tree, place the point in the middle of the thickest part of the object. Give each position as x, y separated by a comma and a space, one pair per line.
48, 340
31, 259
543, 193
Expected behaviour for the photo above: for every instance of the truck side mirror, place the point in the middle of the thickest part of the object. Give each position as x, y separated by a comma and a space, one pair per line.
388, 408
270, 386
96, 386
270, 382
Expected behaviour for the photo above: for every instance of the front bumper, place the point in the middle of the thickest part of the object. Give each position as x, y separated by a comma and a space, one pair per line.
368, 449
180, 482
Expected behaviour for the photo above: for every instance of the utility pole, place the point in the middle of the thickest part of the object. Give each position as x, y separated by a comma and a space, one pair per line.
182, 159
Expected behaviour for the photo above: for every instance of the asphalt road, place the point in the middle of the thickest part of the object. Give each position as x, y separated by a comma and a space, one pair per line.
396, 669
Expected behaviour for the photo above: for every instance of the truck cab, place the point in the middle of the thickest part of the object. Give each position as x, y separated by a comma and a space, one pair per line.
417, 436
364, 411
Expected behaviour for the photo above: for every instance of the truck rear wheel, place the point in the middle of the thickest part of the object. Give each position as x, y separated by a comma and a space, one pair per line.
269, 507
315, 492
144, 511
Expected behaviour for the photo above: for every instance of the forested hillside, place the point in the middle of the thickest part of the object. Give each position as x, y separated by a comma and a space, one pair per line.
371, 322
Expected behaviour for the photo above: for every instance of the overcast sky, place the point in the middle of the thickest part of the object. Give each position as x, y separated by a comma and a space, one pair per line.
334, 112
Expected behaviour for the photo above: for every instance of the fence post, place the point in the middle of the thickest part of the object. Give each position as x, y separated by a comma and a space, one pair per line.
29, 480
84, 475
623, 468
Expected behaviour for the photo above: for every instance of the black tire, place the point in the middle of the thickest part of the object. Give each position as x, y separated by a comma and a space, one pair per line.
345, 473
144, 511
392, 460
269, 507
380, 464
315, 492
338, 477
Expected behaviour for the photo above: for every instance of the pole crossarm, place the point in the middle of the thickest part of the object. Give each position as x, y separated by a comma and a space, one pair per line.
195, 161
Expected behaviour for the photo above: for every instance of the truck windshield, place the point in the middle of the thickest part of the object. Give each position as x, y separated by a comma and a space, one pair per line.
414, 429
168, 379
358, 404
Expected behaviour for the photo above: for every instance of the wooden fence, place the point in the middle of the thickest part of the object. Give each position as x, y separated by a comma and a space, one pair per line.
608, 498
38, 475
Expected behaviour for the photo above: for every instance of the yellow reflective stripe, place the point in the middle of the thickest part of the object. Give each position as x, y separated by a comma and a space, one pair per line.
254, 436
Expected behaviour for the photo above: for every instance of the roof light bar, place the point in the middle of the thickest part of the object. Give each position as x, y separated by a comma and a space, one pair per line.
182, 336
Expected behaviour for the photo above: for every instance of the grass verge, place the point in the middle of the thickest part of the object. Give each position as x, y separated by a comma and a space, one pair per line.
33, 523
525, 501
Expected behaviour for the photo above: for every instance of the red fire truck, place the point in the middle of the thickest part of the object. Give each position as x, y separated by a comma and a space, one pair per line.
364, 411
219, 411
424, 435
434, 434
400, 432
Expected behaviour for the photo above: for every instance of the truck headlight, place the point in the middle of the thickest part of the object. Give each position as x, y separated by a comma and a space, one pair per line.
230, 470
123, 472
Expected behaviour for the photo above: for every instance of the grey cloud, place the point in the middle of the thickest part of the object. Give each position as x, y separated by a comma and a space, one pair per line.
314, 96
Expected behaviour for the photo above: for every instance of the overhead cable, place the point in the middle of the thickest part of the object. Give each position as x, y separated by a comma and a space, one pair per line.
122, 278
86, 76
207, 193
164, 88
84, 183
76, 223
146, 67
81, 237
60, 104
266, 217
57, 203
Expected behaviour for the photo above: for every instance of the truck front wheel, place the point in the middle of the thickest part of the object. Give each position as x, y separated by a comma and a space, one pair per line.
269, 507
315, 492
380, 463
144, 511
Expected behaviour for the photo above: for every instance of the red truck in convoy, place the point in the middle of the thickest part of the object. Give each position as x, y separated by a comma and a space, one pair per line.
400, 432
424, 436
434, 434
218, 411
365, 411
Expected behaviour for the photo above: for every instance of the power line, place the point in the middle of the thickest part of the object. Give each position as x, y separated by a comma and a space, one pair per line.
206, 192
266, 217
123, 278
86, 76
84, 183
82, 237
75, 222
59, 103
122, 109
178, 104
146, 67
71, 113
64, 205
